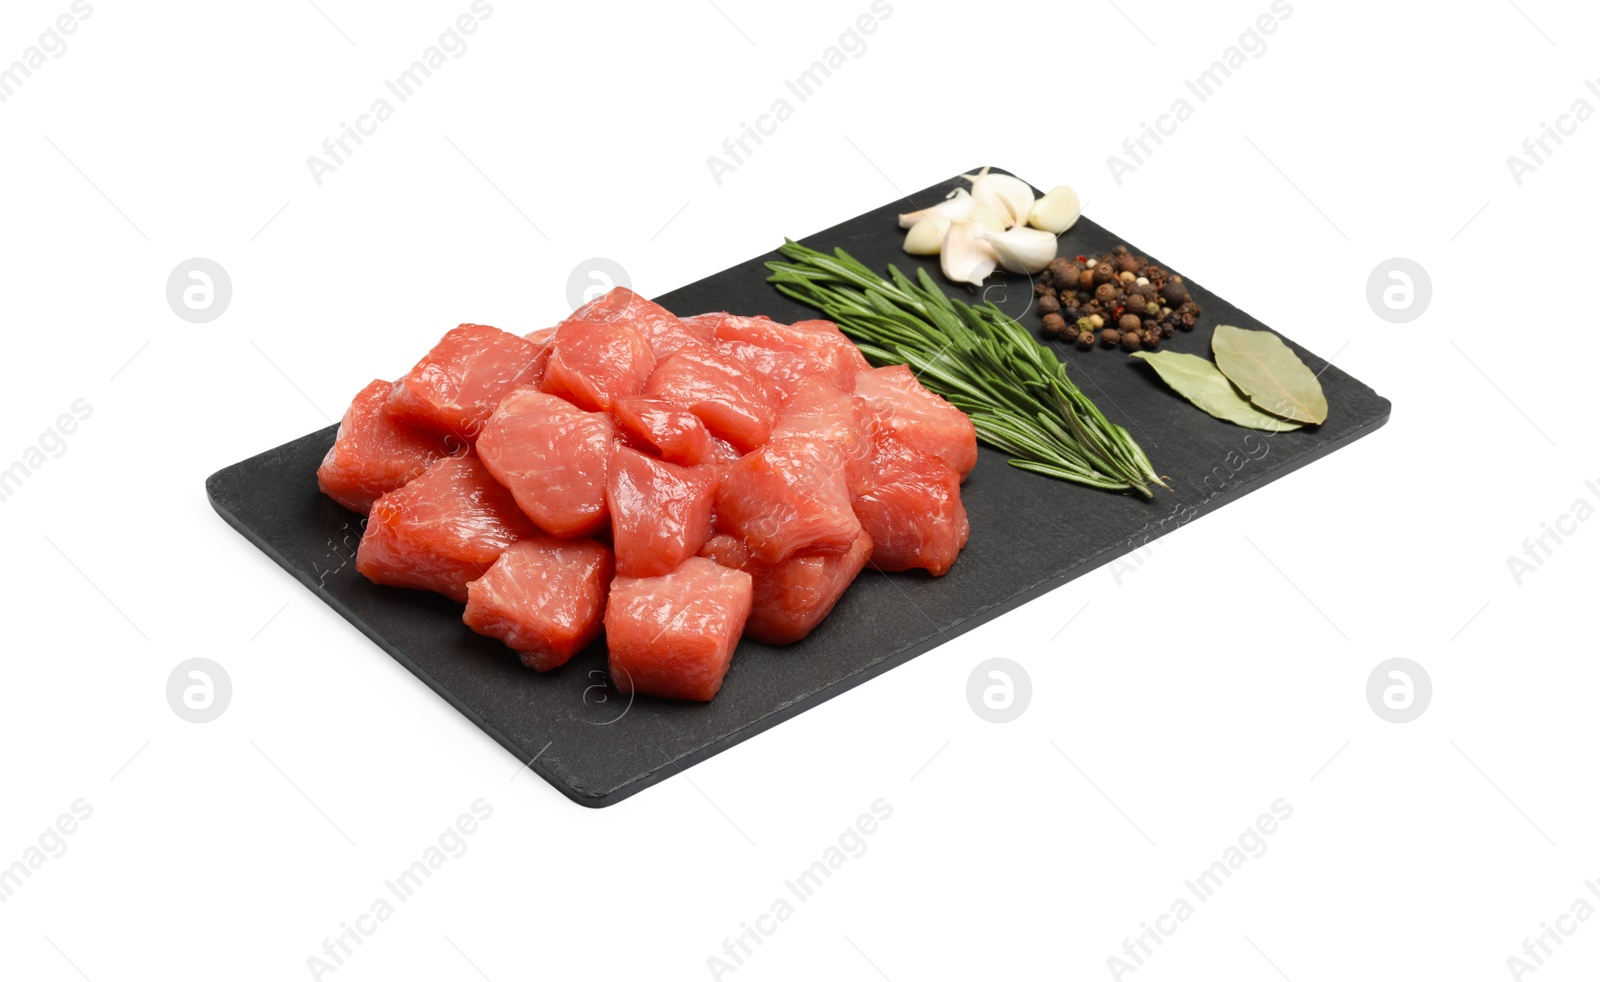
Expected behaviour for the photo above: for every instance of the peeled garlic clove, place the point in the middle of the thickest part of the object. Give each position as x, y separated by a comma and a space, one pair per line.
1021, 249
1057, 211
926, 238
957, 207
1009, 197
965, 257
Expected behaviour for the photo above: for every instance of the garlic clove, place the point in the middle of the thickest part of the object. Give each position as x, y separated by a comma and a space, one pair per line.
1010, 197
1021, 249
955, 208
965, 257
1057, 211
926, 237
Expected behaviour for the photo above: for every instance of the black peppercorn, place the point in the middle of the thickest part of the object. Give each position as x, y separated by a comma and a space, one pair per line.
1186, 321
1040, 288
1166, 329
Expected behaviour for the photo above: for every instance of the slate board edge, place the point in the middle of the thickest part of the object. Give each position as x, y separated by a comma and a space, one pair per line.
216, 482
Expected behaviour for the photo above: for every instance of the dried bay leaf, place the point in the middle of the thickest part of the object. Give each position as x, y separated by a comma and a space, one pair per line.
1269, 374
1199, 381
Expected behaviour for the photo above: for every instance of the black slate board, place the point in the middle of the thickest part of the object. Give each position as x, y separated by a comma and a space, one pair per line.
597, 748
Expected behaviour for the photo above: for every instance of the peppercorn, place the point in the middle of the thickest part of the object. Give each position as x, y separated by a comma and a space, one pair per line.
1107, 292
1048, 304
1189, 307
1166, 329
1097, 321
1086, 279
1125, 277
1127, 263
1130, 342
1174, 292
1054, 325
1104, 273
1186, 321
1152, 309
1120, 250
1110, 337
1128, 322
1040, 288
1085, 341
1152, 333
1084, 324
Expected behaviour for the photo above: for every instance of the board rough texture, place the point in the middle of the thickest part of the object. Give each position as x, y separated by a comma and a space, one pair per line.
1029, 535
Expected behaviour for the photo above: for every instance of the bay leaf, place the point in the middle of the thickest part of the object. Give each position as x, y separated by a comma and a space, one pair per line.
1199, 381
1269, 373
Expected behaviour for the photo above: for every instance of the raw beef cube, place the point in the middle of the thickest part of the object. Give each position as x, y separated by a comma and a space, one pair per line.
594, 362
903, 408
552, 456
825, 347
912, 509
818, 411
665, 332
784, 369
669, 432
735, 403
790, 496
442, 530
789, 599
545, 598
673, 636
660, 512
461, 381
373, 454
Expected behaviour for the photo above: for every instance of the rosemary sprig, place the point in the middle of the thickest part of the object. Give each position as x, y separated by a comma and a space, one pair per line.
1014, 388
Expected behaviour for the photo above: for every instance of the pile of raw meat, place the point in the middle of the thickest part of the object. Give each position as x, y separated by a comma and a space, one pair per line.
678, 483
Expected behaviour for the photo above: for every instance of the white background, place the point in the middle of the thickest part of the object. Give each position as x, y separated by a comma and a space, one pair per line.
1227, 672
